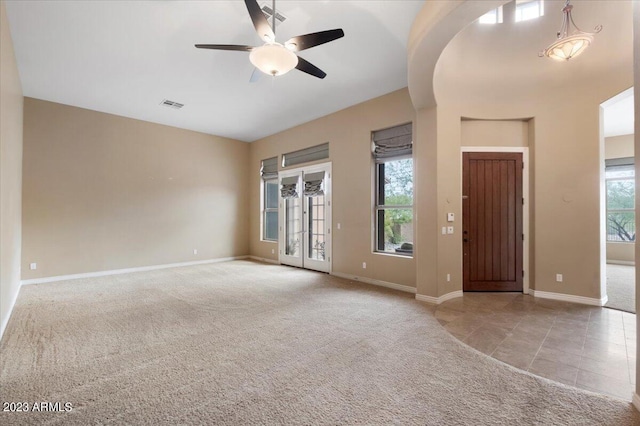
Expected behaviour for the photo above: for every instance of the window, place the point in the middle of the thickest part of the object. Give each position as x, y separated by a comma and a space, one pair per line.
621, 186
492, 17
529, 9
269, 173
394, 190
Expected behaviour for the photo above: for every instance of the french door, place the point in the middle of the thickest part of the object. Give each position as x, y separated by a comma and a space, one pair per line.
305, 217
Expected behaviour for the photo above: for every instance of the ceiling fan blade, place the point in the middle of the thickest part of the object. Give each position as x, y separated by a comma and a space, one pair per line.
309, 68
307, 41
260, 21
255, 75
236, 47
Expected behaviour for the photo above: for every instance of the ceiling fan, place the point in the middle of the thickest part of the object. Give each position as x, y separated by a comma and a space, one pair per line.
274, 58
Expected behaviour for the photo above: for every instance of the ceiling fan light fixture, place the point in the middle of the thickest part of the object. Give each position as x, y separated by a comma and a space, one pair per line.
273, 59
567, 45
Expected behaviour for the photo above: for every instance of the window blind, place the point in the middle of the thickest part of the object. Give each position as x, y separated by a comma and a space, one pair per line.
269, 168
393, 143
289, 187
313, 184
313, 153
626, 163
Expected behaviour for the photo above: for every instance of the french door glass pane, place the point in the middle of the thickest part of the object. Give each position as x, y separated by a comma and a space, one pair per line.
316, 249
293, 227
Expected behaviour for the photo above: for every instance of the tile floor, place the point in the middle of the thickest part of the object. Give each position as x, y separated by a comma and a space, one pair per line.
584, 346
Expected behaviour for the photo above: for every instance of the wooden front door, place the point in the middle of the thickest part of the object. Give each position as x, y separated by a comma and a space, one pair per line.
492, 221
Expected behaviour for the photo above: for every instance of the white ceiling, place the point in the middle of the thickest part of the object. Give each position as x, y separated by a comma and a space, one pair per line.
124, 58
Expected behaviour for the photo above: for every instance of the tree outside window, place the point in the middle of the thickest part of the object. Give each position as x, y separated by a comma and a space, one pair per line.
621, 216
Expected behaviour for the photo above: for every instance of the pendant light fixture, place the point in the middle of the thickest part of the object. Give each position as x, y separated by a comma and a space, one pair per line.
568, 45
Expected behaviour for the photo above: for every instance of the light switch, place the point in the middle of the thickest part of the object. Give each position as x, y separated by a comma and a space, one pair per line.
450, 217
449, 229
444, 230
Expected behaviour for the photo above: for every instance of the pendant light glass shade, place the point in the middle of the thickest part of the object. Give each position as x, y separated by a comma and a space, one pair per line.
273, 59
570, 47
567, 45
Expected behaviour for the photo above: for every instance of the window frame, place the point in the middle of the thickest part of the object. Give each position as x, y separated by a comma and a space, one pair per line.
378, 229
617, 210
497, 12
264, 210
521, 4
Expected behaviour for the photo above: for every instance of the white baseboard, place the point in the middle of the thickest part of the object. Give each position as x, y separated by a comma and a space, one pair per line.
569, 298
262, 259
5, 321
621, 262
441, 299
636, 400
127, 270
380, 283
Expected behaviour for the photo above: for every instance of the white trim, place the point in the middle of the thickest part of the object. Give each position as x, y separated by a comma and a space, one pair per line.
127, 270
264, 260
494, 148
526, 228
441, 299
636, 400
401, 287
621, 262
5, 321
569, 298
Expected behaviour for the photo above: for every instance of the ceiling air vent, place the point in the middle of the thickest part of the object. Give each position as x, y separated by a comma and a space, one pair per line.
171, 104
268, 13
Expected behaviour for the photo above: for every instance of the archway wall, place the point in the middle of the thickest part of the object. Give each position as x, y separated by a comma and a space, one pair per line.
493, 81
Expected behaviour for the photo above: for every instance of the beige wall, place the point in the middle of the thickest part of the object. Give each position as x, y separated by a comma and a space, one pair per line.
102, 192
619, 147
349, 135
11, 107
489, 133
623, 253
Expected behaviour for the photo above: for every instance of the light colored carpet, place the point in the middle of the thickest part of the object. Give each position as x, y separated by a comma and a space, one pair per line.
621, 288
248, 343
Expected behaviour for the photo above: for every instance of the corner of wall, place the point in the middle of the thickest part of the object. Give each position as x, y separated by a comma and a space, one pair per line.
11, 117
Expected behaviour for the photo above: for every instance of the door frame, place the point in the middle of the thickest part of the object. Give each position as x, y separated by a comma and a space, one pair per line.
299, 171
525, 194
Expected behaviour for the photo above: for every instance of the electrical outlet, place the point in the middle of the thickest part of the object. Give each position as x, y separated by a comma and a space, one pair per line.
338, 225
195, 251
33, 266
273, 251
364, 265
444, 230
559, 278
448, 277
